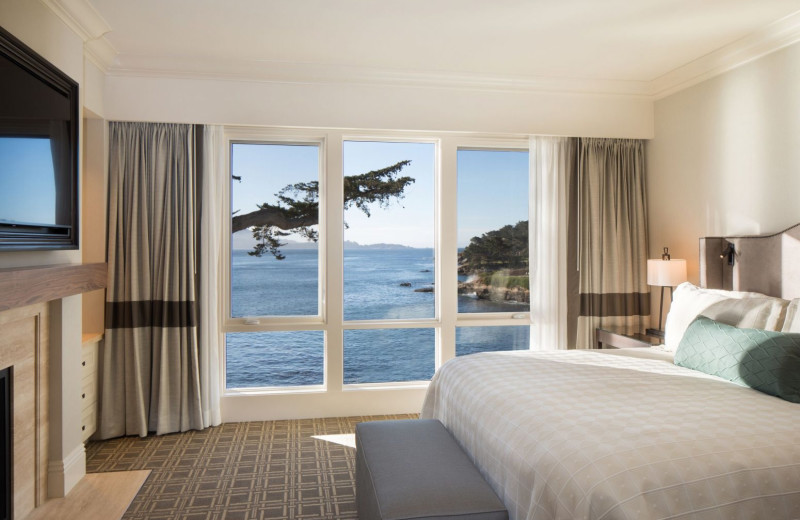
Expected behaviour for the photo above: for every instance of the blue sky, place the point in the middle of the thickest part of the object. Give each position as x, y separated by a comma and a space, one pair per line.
26, 172
492, 187
408, 221
492, 191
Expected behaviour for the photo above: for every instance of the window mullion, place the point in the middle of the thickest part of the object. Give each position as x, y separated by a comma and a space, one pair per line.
447, 274
333, 288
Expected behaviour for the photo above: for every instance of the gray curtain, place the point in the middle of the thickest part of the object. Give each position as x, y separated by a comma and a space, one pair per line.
612, 238
150, 375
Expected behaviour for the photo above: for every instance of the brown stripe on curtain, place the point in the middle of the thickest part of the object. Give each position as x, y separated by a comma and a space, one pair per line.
614, 304
150, 313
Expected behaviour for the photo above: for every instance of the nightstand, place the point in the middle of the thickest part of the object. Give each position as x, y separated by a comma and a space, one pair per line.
609, 337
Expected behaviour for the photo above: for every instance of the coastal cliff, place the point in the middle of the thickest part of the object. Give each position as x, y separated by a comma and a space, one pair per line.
496, 293
495, 287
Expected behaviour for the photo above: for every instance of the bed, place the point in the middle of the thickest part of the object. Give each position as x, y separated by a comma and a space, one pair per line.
588, 435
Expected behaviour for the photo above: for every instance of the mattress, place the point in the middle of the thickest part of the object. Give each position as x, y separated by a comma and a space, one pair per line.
587, 435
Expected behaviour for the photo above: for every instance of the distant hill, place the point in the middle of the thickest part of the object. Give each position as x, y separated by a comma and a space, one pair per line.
244, 240
355, 245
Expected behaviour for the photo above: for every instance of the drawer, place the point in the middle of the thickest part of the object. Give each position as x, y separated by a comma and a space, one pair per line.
88, 422
88, 390
88, 359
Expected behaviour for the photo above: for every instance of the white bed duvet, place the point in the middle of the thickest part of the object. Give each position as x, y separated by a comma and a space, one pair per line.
586, 435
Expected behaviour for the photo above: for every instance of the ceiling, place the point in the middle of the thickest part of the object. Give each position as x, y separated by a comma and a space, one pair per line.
534, 43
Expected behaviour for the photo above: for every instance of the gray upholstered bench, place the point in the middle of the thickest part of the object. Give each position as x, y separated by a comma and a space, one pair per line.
415, 469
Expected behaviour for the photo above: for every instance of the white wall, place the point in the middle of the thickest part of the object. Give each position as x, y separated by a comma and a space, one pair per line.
726, 157
378, 107
93, 87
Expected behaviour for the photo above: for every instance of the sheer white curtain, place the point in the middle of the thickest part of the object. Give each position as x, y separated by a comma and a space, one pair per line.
213, 184
551, 158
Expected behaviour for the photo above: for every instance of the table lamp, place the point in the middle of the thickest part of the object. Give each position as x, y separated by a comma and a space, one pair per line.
664, 273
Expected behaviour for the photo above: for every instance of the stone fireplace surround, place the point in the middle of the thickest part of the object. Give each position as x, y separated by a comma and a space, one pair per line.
23, 347
31, 321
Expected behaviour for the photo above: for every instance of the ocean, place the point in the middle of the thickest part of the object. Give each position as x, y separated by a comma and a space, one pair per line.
378, 284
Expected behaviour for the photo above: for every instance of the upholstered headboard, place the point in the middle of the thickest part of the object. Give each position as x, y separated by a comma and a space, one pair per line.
768, 264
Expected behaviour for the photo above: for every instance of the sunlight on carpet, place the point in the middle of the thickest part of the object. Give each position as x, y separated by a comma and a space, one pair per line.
344, 439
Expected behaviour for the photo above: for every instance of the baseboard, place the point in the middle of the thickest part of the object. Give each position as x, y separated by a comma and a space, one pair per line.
354, 401
63, 475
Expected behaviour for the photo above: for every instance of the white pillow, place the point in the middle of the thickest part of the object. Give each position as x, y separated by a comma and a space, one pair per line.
792, 321
739, 309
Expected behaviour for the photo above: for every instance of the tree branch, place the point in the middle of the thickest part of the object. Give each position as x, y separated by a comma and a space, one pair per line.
298, 206
272, 216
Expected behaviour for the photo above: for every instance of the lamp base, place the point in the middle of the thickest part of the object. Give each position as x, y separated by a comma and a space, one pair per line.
654, 332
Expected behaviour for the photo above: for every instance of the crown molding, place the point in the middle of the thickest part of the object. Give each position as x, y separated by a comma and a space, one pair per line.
771, 38
100, 52
269, 71
89, 25
80, 16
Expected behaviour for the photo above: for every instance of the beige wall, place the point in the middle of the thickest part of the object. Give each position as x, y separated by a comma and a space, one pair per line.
381, 107
726, 157
93, 89
94, 191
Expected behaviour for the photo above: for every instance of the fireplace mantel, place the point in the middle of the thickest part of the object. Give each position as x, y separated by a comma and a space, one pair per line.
23, 286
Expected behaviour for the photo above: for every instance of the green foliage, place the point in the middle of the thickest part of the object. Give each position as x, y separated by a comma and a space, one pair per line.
297, 202
504, 248
378, 186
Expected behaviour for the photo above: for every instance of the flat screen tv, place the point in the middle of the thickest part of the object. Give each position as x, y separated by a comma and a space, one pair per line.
38, 151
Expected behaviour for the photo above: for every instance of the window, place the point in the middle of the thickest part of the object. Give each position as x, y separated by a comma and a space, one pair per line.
471, 340
492, 248
274, 263
369, 261
274, 271
388, 355
493, 231
389, 259
389, 247
274, 359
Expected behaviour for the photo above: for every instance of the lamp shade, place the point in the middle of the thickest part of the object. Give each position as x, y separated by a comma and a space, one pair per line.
666, 273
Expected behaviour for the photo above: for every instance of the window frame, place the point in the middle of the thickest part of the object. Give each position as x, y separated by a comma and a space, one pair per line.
481, 319
330, 318
256, 136
267, 322
408, 323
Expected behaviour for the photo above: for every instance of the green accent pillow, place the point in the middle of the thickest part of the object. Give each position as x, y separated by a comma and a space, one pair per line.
763, 360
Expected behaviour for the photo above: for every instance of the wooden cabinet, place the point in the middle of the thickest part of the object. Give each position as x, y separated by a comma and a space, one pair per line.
89, 354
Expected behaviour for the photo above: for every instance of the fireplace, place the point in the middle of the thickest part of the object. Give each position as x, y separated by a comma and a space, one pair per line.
29, 297
24, 348
6, 445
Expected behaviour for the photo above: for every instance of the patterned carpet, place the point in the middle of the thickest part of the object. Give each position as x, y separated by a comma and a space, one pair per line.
299, 469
